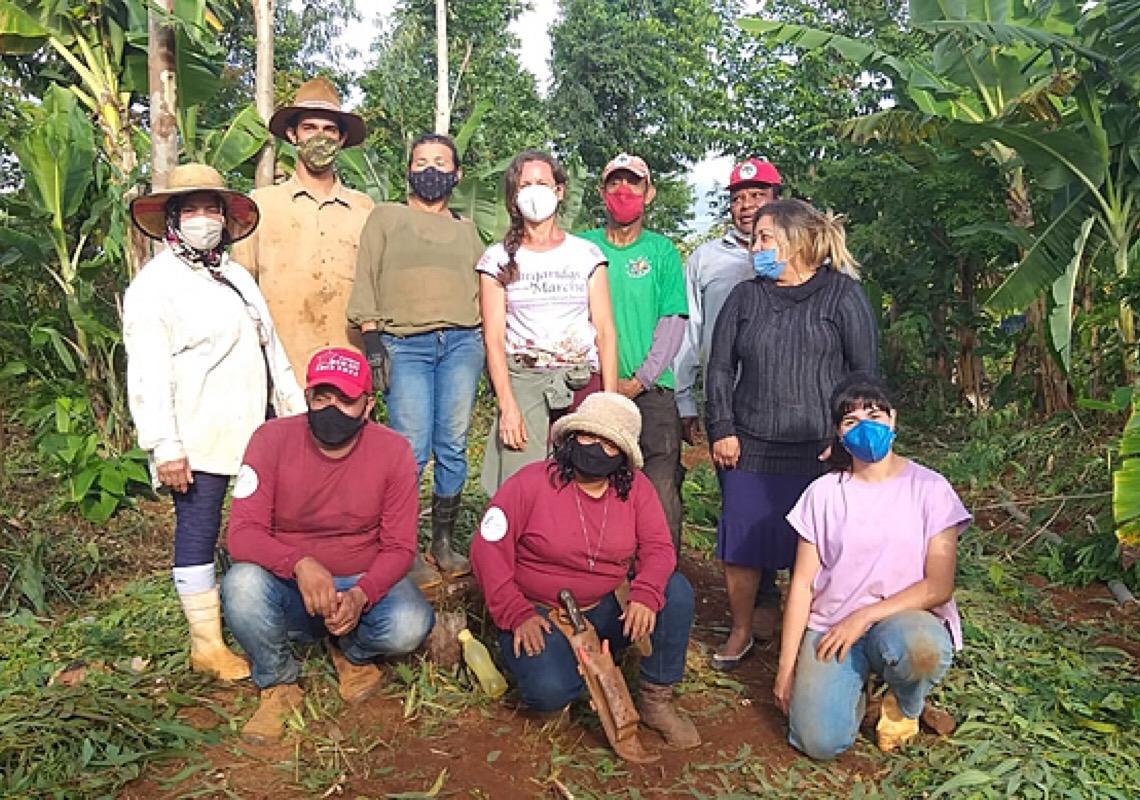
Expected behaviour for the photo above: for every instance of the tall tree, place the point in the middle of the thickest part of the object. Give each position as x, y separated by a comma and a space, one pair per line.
483, 70
641, 76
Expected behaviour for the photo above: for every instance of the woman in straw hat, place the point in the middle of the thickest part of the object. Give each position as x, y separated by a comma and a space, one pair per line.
578, 521
204, 369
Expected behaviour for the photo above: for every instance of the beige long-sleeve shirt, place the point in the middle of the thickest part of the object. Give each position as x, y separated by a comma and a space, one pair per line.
303, 255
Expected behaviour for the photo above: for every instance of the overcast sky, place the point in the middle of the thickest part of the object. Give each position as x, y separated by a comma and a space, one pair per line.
533, 31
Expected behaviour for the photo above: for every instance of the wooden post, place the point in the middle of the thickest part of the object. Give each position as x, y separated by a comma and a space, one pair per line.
263, 22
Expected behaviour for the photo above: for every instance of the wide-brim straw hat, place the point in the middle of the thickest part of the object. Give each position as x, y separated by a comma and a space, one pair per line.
609, 415
149, 211
318, 94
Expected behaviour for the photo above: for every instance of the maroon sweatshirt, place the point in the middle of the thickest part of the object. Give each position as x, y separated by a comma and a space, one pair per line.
355, 514
530, 545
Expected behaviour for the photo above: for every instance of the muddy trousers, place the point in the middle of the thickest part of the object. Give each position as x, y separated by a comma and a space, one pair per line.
660, 443
911, 651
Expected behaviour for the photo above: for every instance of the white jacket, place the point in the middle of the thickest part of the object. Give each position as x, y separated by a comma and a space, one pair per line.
195, 373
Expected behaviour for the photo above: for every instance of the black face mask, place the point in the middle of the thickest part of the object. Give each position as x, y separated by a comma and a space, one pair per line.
432, 184
592, 461
332, 427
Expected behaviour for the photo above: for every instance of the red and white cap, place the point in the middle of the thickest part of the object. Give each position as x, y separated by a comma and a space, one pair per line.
341, 368
634, 164
752, 172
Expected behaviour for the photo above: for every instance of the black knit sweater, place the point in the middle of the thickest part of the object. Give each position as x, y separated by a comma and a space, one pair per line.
777, 354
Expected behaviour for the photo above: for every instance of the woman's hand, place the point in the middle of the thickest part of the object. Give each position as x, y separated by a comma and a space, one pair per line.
842, 637
726, 452
175, 474
530, 636
782, 690
512, 429
639, 621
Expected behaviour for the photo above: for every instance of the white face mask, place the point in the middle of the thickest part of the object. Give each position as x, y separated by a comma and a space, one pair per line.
202, 232
536, 202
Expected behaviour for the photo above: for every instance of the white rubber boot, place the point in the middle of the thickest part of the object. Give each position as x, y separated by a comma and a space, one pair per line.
208, 651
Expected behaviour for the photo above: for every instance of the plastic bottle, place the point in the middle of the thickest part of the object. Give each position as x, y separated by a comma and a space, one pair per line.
479, 661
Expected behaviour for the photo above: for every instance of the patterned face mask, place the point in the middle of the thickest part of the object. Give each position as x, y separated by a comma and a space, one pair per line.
318, 153
432, 184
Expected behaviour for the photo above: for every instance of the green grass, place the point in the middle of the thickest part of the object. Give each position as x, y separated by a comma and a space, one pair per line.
1046, 709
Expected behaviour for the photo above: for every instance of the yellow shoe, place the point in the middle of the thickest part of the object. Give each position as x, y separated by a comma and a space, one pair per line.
208, 650
267, 725
894, 728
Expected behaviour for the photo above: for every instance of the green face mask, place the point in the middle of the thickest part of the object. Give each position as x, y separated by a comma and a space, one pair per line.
318, 152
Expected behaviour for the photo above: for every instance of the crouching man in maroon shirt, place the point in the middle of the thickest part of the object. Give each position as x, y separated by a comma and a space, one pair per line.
323, 530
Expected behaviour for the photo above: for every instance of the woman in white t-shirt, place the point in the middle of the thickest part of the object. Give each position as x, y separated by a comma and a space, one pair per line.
547, 322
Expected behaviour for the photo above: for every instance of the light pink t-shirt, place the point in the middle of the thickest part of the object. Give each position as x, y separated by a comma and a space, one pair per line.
548, 306
872, 539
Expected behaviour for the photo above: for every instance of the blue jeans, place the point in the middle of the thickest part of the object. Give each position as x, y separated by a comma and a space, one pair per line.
911, 651
550, 680
431, 392
266, 613
198, 519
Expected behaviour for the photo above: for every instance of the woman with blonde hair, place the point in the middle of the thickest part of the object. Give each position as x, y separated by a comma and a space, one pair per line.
782, 343
547, 322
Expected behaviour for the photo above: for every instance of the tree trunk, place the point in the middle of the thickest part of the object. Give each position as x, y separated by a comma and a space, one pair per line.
163, 95
442, 99
1051, 382
263, 21
969, 363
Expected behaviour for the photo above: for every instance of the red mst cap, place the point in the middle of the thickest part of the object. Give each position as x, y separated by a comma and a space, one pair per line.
341, 368
754, 171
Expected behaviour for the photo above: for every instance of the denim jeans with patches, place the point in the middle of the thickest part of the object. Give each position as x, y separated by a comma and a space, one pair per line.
910, 650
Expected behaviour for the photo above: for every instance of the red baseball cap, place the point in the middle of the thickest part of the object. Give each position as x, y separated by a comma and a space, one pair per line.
341, 368
635, 164
754, 171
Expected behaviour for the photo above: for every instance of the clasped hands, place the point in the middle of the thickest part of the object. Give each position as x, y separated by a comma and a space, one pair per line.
341, 610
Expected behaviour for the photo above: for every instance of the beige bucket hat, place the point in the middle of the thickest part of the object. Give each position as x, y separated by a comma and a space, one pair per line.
149, 211
609, 415
318, 94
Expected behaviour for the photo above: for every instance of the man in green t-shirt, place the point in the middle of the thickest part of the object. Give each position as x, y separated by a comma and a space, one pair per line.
647, 287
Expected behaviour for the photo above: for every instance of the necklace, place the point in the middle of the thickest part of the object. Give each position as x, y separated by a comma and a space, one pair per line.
592, 558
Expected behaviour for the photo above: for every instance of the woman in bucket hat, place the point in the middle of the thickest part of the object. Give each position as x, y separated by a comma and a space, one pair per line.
204, 369
578, 521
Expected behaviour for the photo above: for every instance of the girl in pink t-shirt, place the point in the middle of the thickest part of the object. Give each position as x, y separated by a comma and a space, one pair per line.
873, 586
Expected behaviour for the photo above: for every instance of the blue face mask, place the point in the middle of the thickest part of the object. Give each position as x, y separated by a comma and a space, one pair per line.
869, 441
766, 265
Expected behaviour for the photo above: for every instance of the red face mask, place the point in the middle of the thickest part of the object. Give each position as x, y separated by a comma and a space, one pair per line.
624, 205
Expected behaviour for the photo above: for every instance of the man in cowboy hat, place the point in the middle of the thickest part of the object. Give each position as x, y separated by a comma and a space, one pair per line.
304, 253
202, 361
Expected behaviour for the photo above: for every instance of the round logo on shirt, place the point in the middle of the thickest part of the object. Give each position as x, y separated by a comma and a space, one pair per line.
494, 524
246, 482
638, 268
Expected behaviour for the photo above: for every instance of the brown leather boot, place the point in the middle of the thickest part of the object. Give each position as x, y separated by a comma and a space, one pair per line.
655, 704
357, 681
208, 650
444, 513
278, 703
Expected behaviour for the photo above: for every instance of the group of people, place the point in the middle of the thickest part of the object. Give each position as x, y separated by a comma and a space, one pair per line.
593, 345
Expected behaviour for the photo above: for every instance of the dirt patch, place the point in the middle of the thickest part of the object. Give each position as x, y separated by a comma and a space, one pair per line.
495, 749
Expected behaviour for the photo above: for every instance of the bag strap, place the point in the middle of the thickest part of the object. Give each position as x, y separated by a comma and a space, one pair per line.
262, 334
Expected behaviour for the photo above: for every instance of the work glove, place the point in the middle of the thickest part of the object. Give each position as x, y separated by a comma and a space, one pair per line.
378, 360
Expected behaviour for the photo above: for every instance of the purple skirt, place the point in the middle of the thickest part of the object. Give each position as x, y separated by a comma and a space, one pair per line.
753, 531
